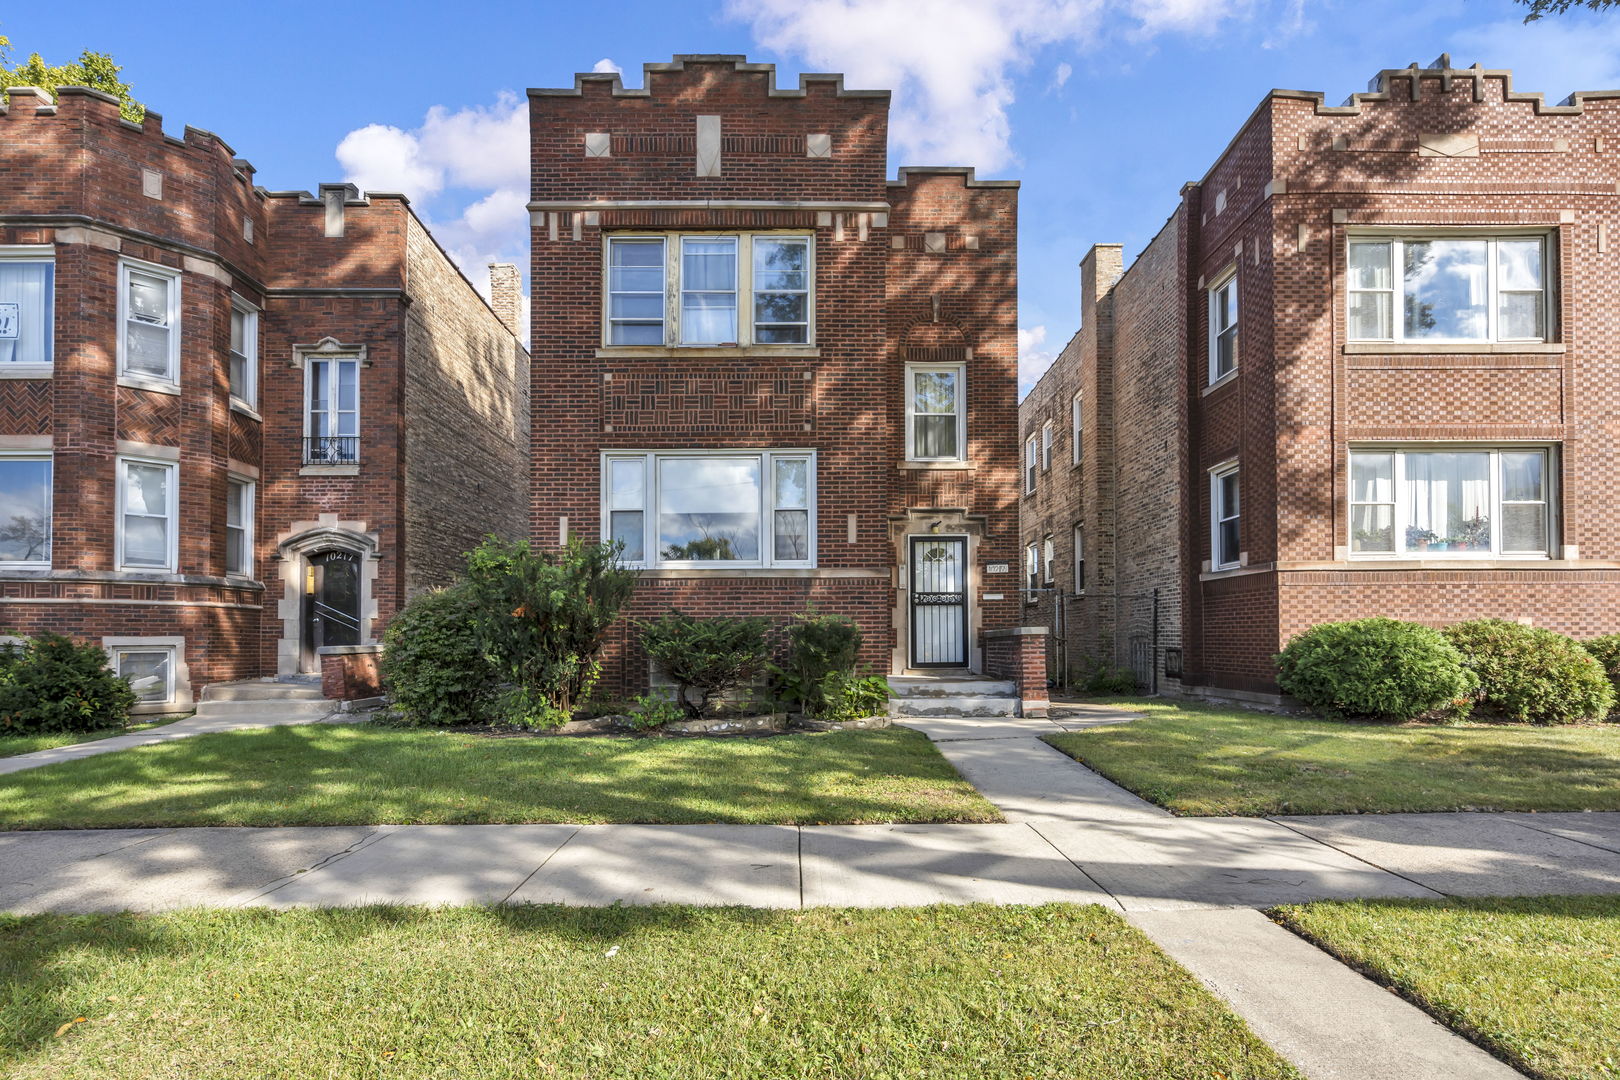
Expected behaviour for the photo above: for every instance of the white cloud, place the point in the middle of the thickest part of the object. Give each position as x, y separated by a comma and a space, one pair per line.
1060, 75
951, 62
1033, 358
606, 65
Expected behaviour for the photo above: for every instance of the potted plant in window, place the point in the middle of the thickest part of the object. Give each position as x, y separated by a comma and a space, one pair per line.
1475, 534
1421, 539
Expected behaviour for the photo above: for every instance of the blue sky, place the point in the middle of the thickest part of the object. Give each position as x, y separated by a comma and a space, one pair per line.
1102, 109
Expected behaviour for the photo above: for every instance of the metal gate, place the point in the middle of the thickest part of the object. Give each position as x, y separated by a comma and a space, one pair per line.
939, 616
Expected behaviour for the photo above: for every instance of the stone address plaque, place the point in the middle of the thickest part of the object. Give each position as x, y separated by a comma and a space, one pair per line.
995, 568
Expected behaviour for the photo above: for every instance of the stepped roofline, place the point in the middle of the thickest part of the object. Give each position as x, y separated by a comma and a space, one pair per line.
738, 62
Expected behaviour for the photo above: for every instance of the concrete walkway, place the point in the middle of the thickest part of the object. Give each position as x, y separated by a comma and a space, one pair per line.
180, 729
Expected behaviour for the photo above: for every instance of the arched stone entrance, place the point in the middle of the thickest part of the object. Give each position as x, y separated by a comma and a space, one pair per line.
328, 570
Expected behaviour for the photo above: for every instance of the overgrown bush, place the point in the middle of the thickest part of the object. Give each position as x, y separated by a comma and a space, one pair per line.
653, 711
1606, 650
1101, 679
819, 646
1376, 669
706, 657
53, 683
1532, 675
541, 616
850, 697
434, 666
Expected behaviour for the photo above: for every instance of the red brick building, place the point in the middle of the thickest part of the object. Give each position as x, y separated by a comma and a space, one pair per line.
236, 426
778, 377
1366, 368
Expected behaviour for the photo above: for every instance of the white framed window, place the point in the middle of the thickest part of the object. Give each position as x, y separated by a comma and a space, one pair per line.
936, 419
25, 511
710, 289
27, 307
1077, 427
1031, 464
148, 498
1079, 559
149, 670
1451, 502
711, 508
332, 410
1448, 288
1226, 536
1048, 557
149, 324
1223, 326
239, 527
1046, 446
1032, 569
244, 352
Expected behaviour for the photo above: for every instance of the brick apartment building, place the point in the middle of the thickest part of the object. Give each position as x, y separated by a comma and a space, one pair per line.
1368, 367
779, 378
236, 426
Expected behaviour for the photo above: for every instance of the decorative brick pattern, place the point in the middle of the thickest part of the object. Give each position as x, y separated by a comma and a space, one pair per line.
765, 397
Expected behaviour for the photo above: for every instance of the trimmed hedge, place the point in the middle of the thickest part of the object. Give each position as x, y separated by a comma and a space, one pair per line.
1376, 669
1532, 675
1606, 650
53, 683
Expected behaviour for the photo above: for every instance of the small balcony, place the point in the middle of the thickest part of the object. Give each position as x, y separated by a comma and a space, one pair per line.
332, 450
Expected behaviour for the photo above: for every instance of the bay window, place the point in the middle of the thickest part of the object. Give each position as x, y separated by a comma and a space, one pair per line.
1479, 502
711, 508
147, 500
936, 421
25, 510
27, 306
149, 320
709, 289
1443, 289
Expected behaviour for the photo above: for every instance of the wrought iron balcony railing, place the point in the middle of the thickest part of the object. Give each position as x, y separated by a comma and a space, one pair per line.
332, 450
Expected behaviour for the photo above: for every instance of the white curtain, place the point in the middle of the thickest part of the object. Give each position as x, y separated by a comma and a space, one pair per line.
1444, 491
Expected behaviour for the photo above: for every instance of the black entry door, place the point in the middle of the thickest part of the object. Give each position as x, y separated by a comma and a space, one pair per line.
331, 603
939, 622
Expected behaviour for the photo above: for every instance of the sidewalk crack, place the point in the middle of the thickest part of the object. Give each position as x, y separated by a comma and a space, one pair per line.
1032, 827
1358, 858
530, 875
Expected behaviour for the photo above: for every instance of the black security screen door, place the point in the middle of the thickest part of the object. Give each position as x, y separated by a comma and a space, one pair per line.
938, 601
331, 603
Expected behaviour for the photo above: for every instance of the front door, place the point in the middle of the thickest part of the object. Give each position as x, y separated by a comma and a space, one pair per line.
939, 615
331, 603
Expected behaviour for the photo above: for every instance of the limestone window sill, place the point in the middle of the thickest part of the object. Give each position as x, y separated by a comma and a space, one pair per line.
240, 406
731, 352
1476, 348
941, 466
1225, 380
157, 386
329, 470
26, 371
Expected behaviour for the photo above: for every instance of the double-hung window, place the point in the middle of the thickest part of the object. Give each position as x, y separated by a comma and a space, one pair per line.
936, 421
25, 511
239, 527
244, 354
1223, 327
1448, 289
27, 307
1226, 536
1031, 464
147, 500
681, 508
332, 421
710, 289
1032, 570
1048, 556
1445, 502
1079, 559
149, 318
1046, 446
1076, 429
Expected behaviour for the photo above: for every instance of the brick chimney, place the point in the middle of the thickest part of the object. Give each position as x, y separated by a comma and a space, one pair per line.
504, 294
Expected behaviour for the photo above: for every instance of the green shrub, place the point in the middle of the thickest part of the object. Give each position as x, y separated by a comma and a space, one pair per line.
706, 657
1606, 650
850, 697
1532, 675
53, 683
541, 616
653, 711
819, 646
434, 667
1099, 678
1376, 669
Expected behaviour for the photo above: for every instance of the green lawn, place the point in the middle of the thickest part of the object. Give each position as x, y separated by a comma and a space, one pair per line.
340, 774
671, 992
11, 745
1199, 759
1535, 980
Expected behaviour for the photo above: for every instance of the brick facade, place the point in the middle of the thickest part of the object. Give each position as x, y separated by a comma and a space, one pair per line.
442, 421
919, 269
1433, 153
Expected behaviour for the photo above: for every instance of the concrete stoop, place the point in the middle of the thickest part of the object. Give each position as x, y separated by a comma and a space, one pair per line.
255, 697
952, 695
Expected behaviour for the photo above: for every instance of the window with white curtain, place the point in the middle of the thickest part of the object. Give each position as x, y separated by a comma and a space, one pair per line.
149, 314
696, 509
1450, 502
1226, 534
1447, 288
710, 289
935, 418
27, 305
1032, 570
147, 500
1048, 556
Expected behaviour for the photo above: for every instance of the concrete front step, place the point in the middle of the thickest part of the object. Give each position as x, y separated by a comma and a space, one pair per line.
910, 686
262, 690
221, 710
970, 705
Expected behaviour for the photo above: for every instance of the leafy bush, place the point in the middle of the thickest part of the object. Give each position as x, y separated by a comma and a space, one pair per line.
1099, 678
652, 711
53, 683
854, 698
708, 657
819, 646
1532, 675
1606, 650
1376, 669
434, 666
541, 616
